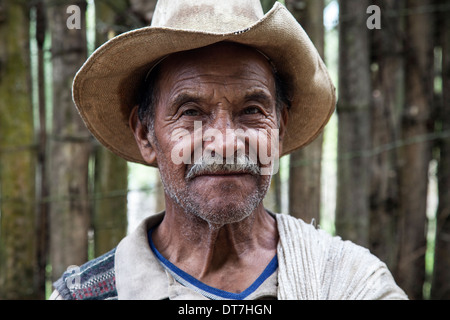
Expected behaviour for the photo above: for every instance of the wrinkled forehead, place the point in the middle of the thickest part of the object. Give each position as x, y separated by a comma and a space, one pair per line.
221, 59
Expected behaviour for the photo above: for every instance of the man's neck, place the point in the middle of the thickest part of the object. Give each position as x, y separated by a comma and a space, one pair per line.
229, 257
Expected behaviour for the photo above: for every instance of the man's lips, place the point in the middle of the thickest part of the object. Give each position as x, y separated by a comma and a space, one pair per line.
222, 174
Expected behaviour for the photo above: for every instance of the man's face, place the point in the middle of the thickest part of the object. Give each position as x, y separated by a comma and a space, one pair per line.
205, 98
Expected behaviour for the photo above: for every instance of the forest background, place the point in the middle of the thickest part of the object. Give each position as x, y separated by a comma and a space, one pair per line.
379, 175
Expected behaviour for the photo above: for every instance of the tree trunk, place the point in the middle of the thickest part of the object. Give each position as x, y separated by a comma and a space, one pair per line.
143, 9
267, 4
305, 164
70, 145
387, 101
415, 154
352, 207
42, 214
441, 278
17, 156
110, 207
111, 171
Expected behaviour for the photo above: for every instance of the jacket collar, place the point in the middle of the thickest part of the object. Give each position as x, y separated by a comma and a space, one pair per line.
139, 275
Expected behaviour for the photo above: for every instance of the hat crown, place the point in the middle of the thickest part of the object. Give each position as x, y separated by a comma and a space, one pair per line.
214, 16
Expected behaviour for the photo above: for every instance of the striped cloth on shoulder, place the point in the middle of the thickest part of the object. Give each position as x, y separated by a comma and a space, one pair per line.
94, 280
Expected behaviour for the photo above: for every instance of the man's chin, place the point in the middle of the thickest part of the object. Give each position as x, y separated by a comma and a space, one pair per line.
224, 212
229, 217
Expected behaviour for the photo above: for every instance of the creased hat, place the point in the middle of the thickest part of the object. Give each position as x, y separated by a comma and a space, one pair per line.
105, 89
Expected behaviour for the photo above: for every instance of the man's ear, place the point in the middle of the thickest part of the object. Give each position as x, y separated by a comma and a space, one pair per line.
141, 136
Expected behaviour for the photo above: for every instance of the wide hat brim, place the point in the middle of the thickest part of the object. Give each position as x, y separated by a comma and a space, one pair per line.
105, 89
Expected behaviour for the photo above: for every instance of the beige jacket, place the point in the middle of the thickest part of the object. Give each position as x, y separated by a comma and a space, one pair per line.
312, 265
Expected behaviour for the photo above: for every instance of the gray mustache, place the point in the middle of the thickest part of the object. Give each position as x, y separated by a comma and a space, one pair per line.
211, 165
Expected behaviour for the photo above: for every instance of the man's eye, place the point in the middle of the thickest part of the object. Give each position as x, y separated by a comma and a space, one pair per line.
251, 110
191, 113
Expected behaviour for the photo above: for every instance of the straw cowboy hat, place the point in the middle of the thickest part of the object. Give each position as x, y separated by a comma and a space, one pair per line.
105, 88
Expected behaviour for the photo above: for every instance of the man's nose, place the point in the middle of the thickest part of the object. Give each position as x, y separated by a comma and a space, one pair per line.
221, 139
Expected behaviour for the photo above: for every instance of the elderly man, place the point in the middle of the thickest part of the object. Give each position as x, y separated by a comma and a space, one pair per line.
211, 94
